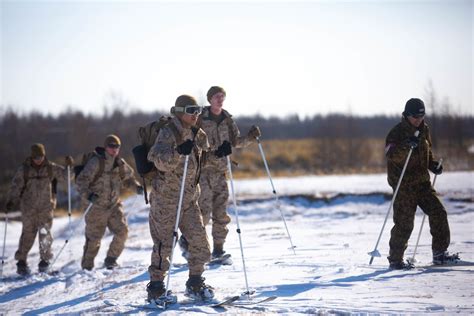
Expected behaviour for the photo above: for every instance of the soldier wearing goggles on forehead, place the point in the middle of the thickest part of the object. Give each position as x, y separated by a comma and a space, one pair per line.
176, 140
223, 134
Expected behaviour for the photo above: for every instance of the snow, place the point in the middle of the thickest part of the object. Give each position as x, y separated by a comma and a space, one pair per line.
333, 220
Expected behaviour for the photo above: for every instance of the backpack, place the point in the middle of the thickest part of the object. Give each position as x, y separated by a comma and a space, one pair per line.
99, 152
49, 166
147, 135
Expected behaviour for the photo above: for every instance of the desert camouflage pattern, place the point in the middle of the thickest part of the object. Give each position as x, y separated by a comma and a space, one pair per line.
36, 202
97, 220
164, 199
107, 211
415, 190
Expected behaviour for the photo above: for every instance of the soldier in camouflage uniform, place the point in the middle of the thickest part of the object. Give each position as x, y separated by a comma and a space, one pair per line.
100, 183
177, 139
223, 134
33, 190
415, 189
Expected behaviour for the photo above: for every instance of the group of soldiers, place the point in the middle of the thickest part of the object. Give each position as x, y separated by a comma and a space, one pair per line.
201, 138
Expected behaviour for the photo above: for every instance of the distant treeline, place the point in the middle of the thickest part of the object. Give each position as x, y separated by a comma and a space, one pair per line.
335, 135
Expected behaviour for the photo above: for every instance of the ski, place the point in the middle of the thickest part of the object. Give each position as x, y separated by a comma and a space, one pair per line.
228, 301
254, 302
164, 305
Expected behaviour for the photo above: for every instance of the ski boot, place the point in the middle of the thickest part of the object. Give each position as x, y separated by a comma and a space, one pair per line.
110, 263
219, 256
22, 268
156, 294
400, 265
43, 266
443, 257
183, 245
197, 289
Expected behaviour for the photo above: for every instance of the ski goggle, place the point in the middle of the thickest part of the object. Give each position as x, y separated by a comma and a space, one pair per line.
417, 115
189, 109
114, 146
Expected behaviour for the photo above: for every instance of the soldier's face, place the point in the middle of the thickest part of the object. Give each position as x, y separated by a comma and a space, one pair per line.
416, 120
217, 100
38, 160
113, 150
189, 119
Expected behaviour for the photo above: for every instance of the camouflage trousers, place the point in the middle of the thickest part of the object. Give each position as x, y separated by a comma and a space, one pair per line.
213, 203
162, 220
404, 209
97, 220
35, 221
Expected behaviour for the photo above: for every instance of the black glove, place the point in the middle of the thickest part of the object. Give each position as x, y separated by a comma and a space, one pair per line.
92, 197
9, 206
434, 168
140, 190
254, 132
185, 148
223, 150
413, 142
69, 160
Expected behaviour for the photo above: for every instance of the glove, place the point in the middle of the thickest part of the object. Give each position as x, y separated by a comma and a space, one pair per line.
9, 206
413, 142
92, 197
433, 167
223, 150
69, 161
185, 148
140, 190
254, 132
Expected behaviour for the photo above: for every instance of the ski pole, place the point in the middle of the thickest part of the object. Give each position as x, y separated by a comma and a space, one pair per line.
72, 232
375, 252
277, 201
424, 215
69, 195
178, 214
238, 225
4, 243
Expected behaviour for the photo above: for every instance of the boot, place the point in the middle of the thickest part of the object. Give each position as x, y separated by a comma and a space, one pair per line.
400, 265
43, 266
110, 263
197, 289
183, 245
22, 268
443, 257
218, 251
155, 289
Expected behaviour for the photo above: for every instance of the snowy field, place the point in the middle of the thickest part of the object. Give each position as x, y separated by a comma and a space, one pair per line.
334, 221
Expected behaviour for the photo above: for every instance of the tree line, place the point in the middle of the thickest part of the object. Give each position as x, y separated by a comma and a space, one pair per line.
338, 139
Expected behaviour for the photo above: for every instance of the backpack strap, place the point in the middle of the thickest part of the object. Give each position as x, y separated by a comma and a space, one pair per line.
176, 133
26, 170
100, 171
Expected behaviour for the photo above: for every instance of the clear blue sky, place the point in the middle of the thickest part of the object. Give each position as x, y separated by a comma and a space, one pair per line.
273, 58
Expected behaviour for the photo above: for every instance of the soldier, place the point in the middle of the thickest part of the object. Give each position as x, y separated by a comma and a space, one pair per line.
223, 134
177, 139
415, 189
99, 183
33, 190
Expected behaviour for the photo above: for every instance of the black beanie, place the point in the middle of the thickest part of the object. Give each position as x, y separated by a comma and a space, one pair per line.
414, 106
214, 90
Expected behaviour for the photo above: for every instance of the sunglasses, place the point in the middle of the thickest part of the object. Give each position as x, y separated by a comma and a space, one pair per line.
114, 146
189, 109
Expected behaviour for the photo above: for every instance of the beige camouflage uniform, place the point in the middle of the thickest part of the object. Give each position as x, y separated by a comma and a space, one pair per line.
107, 211
37, 203
164, 199
213, 181
415, 190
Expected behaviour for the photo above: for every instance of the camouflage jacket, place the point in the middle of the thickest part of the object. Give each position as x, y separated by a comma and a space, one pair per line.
397, 149
108, 185
217, 133
34, 186
170, 163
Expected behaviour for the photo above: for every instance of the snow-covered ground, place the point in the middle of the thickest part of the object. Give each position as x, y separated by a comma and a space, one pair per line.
333, 220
